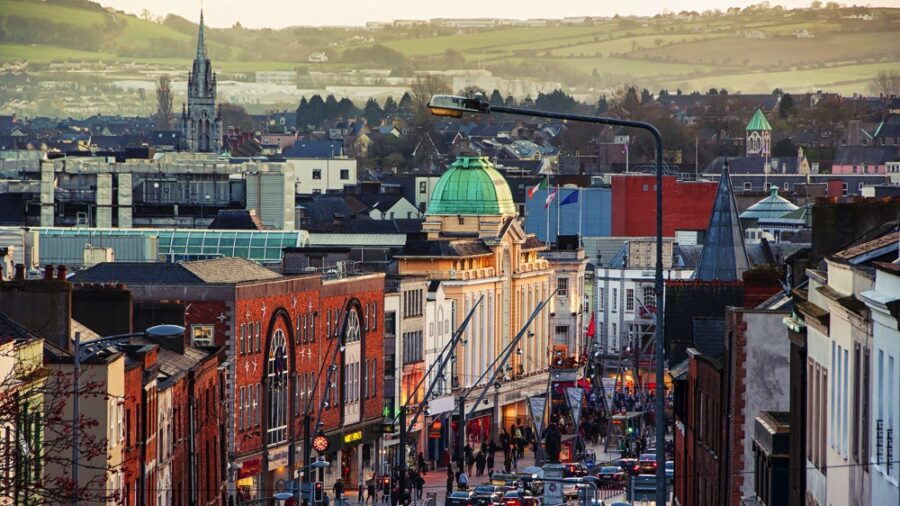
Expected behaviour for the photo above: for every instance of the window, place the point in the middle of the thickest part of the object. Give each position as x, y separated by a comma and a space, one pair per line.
615, 300
276, 430
787, 186
345, 174
412, 303
602, 304
562, 334
562, 287
312, 327
258, 336
649, 298
327, 323
390, 323
317, 191
844, 188
629, 299
241, 337
423, 187
317, 174
241, 409
374, 315
857, 400
412, 347
202, 335
352, 334
748, 187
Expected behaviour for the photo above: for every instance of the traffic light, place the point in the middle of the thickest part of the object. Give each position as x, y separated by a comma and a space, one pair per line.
318, 492
386, 483
630, 430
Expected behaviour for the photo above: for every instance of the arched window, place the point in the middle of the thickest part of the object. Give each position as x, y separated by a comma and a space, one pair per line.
276, 396
353, 333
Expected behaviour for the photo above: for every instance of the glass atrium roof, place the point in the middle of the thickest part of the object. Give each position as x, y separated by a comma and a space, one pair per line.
193, 244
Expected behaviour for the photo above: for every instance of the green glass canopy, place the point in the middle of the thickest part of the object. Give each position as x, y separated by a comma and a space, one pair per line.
471, 186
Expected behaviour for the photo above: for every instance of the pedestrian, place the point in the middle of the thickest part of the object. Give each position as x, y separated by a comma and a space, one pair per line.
463, 480
338, 488
470, 461
479, 464
395, 494
325, 499
361, 491
420, 486
449, 481
422, 467
370, 491
489, 462
507, 461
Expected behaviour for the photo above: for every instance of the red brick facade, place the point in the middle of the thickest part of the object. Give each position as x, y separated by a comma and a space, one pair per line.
738, 374
687, 204
205, 416
133, 417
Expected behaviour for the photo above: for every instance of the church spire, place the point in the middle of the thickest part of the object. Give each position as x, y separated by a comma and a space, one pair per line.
201, 41
723, 257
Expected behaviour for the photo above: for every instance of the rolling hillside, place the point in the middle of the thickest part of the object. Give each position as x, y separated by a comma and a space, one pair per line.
751, 51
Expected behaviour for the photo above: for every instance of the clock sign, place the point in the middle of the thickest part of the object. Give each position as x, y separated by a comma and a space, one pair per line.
320, 443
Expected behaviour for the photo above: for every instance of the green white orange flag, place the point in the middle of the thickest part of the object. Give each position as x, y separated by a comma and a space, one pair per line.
550, 198
539, 186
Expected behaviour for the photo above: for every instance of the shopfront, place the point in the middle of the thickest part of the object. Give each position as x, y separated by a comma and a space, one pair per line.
353, 453
248, 485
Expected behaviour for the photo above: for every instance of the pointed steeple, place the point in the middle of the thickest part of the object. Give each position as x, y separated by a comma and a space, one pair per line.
723, 257
201, 41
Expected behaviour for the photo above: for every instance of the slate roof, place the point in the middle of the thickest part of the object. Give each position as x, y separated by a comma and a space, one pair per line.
709, 335
315, 149
753, 165
890, 127
217, 270
137, 273
229, 270
444, 248
724, 257
864, 155
10, 330
532, 243
870, 250
236, 219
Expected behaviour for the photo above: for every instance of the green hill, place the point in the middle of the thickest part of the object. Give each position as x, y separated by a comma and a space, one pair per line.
754, 50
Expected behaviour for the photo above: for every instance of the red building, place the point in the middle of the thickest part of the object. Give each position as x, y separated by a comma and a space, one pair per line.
687, 205
281, 335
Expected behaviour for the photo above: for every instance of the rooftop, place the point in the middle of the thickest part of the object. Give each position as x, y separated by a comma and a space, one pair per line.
471, 186
772, 206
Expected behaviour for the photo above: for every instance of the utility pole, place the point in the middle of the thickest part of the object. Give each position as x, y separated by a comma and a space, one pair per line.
403, 451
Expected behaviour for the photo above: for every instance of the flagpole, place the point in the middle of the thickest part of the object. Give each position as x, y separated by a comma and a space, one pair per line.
547, 208
558, 196
580, 242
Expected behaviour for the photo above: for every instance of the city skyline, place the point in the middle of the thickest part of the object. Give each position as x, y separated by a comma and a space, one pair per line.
284, 13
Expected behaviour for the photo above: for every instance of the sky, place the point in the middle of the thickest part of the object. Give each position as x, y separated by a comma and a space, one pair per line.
281, 13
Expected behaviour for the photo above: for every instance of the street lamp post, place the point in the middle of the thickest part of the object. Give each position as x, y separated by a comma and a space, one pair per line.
454, 107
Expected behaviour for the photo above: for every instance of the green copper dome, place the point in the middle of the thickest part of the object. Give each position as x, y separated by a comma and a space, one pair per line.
471, 186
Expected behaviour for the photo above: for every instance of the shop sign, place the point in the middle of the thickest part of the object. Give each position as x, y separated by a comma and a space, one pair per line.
249, 468
353, 437
278, 457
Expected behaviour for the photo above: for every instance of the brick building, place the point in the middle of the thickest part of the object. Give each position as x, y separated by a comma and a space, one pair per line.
279, 334
687, 204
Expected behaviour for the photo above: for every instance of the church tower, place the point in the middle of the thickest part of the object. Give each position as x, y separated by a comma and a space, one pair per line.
759, 135
201, 126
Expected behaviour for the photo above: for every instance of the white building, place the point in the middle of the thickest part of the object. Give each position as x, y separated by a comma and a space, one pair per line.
321, 175
276, 77
883, 302
567, 308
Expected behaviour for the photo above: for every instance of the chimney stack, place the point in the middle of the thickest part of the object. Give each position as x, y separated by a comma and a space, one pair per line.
61, 272
20, 272
48, 272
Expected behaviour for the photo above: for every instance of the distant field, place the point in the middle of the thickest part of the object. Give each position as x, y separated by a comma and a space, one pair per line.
46, 54
54, 13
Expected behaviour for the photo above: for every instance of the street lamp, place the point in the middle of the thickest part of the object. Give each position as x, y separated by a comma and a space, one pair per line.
455, 107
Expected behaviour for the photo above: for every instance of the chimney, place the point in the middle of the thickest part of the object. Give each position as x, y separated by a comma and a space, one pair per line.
48, 272
20, 272
61, 272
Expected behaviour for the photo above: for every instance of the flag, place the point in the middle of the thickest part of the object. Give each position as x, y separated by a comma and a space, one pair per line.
573, 399
550, 198
537, 405
539, 186
592, 329
571, 199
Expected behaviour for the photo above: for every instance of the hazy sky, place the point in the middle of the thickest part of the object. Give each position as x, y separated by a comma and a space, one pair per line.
280, 13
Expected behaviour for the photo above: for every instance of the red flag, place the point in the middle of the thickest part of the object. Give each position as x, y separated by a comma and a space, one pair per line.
591, 328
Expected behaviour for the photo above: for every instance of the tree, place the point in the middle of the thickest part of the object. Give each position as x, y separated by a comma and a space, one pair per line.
316, 111
886, 83
556, 100
712, 91
36, 413
164, 115
405, 107
496, 98
423, 88
234, 115
390, 108
373, 113
784, 147
786, 106
602, 105
302, 112
646, 96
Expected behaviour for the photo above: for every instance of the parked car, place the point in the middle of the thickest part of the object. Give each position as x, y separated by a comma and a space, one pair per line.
575, 470
648, 463
460, 498
517, 498
611, 474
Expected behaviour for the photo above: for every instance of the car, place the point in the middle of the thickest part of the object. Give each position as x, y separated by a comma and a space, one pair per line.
611, 474
630, 466
486, 495
575, 470
460, 498
648, 463
670, 469
517, 498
